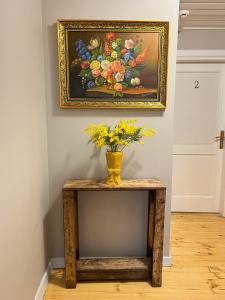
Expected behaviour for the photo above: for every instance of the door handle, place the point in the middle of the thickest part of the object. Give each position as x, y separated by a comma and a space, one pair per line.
220, 138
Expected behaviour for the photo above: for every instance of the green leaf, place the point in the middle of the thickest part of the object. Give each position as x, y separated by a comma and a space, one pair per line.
119, 41
109, 58
82, 73
95, 52
139, 67
118, 94
99, 81
134, 72
124, 84
137, 49
101, 49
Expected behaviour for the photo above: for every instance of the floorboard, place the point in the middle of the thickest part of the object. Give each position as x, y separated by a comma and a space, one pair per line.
197, 272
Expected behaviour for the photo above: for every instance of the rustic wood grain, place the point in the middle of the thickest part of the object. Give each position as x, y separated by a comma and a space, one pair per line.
157, 252
69, 238
126, 184
151, 220
113, 269
154, 238
76, 224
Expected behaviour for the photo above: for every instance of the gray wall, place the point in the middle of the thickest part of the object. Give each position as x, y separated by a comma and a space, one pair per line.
201, 39
110, 223
23, 152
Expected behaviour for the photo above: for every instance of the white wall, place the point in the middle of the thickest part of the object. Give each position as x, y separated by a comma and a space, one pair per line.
23, 151
110, 223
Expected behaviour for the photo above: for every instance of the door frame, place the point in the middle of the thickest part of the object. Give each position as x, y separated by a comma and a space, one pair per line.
213, 68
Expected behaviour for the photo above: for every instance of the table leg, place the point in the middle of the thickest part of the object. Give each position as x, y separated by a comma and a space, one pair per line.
158, 207
69, 216
150, 228
76, 224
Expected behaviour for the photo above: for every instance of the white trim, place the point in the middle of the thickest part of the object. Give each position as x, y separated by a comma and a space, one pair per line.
167, 261
43, 284
200, 56
203, 28
58, 262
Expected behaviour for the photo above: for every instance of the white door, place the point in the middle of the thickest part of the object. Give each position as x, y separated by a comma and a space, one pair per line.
197, 159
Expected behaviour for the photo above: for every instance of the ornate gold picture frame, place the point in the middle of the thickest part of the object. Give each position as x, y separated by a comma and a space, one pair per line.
112, 64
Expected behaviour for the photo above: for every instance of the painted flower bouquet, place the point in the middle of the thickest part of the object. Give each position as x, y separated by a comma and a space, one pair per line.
111, 62
118, 137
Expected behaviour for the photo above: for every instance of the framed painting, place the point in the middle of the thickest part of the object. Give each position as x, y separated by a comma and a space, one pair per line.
112, 64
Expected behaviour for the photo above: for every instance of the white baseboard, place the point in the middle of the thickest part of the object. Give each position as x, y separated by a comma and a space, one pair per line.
58, 262
43, 284
167, 261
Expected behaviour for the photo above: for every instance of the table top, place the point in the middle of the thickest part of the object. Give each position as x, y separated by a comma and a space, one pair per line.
126, 184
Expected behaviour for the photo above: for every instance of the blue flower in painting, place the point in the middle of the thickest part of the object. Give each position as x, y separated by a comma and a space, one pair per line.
90, 84
79, 43
131, 51
88, 55
83, 57
82, 52
100, 58
126, 56
80, 47
128, 74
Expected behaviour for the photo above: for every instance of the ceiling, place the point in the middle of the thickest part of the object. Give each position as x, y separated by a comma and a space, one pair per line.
203, 14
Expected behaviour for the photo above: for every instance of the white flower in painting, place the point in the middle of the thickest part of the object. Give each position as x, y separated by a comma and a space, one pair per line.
129, 44
135, 81
105, 64
94, 43
119, 77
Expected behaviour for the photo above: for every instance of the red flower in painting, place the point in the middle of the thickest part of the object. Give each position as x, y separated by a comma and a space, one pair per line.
141, 57
110, 36
106, 73
132, 63
111, 62
106, 48
118, 87
123, 51
115, 65
84, 64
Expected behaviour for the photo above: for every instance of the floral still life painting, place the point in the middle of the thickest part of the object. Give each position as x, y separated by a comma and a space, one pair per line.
112, 64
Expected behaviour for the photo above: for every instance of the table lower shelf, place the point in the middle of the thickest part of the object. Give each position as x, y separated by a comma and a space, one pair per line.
113, 269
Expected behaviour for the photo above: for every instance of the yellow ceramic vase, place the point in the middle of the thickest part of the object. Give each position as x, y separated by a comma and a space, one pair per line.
113, 167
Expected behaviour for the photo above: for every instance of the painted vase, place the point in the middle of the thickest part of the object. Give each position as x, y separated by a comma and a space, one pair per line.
114, 160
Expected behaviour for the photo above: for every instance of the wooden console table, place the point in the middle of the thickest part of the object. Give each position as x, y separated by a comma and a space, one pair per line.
147, 268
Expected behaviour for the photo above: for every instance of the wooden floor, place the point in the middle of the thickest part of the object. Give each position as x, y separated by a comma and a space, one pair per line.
197, 272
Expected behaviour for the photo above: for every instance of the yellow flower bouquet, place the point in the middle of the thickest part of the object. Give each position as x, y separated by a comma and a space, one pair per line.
116, 139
